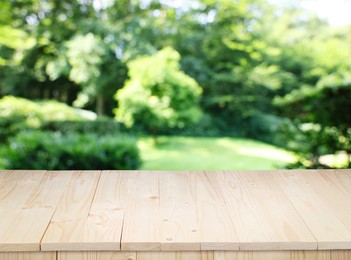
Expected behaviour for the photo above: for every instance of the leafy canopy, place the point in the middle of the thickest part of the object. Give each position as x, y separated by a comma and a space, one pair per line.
158, 94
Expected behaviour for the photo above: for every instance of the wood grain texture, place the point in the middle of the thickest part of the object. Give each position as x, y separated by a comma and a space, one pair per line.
282, 255
49, 191
105, 220
3, 175
261, 214
96, 255
176, 255
18, 186
288, 228
337, 197
327, 227
208, 255
243, 210
70, 227
15, 188
141, 229
28, 256
203, 255
178, 213
217, 231
32, 199
144, 255
179, 225
340, 254
344, 176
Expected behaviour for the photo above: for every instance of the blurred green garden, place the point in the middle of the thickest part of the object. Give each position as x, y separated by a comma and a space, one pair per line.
172, 85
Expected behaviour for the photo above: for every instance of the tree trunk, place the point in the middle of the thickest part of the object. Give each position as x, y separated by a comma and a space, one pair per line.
100, 105
154, 136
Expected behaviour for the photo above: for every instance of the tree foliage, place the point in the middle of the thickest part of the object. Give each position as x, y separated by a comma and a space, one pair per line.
158, 94
260, 66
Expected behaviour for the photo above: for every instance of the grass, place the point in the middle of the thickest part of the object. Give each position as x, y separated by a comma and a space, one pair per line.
204, 153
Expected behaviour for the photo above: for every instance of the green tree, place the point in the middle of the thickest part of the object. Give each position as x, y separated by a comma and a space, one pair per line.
158, 95
67, 52
221, 48
318, 103
321, 119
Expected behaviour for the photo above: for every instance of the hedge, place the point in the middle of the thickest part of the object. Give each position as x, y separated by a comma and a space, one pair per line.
18, 114
38, 150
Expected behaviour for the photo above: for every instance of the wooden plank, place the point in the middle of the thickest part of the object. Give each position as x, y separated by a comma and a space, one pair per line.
28, 256
338, 198
49, 191
69, 227
3, 175
253, 219
176, 255
340, 254
144, 255
23, 230
195, 255
25, 221
329, 230
252, 255
243, 211
18, 186
141, 229
96, 255
343, 176
288, 228
177, 211
179, 226
273, 255
216, 228
105, 219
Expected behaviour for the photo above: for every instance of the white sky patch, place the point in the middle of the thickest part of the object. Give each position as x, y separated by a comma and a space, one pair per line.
337, 12
101, 4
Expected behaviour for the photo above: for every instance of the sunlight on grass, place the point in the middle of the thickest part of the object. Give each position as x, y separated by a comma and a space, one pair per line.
338, 160
200, 153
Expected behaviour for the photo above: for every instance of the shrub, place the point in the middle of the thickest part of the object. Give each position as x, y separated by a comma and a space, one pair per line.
262, 127
158, 95
310, 142
204, 127
17, 114
100, 126
53, 151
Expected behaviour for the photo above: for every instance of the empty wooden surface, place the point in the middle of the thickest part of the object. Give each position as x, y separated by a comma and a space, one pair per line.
320, 202
141, 230
28, 200
224, 214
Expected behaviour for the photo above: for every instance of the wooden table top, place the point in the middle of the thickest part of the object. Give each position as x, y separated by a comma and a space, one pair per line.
162, 211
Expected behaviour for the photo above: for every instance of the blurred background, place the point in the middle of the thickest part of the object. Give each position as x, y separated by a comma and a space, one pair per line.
175, 84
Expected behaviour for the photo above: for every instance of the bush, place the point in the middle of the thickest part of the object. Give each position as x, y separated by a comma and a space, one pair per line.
100, 126
17, 114
158, 94
53, 151
10, 126
262, 127
310, 142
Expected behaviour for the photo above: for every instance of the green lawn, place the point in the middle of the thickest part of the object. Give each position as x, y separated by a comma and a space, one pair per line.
204, 153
